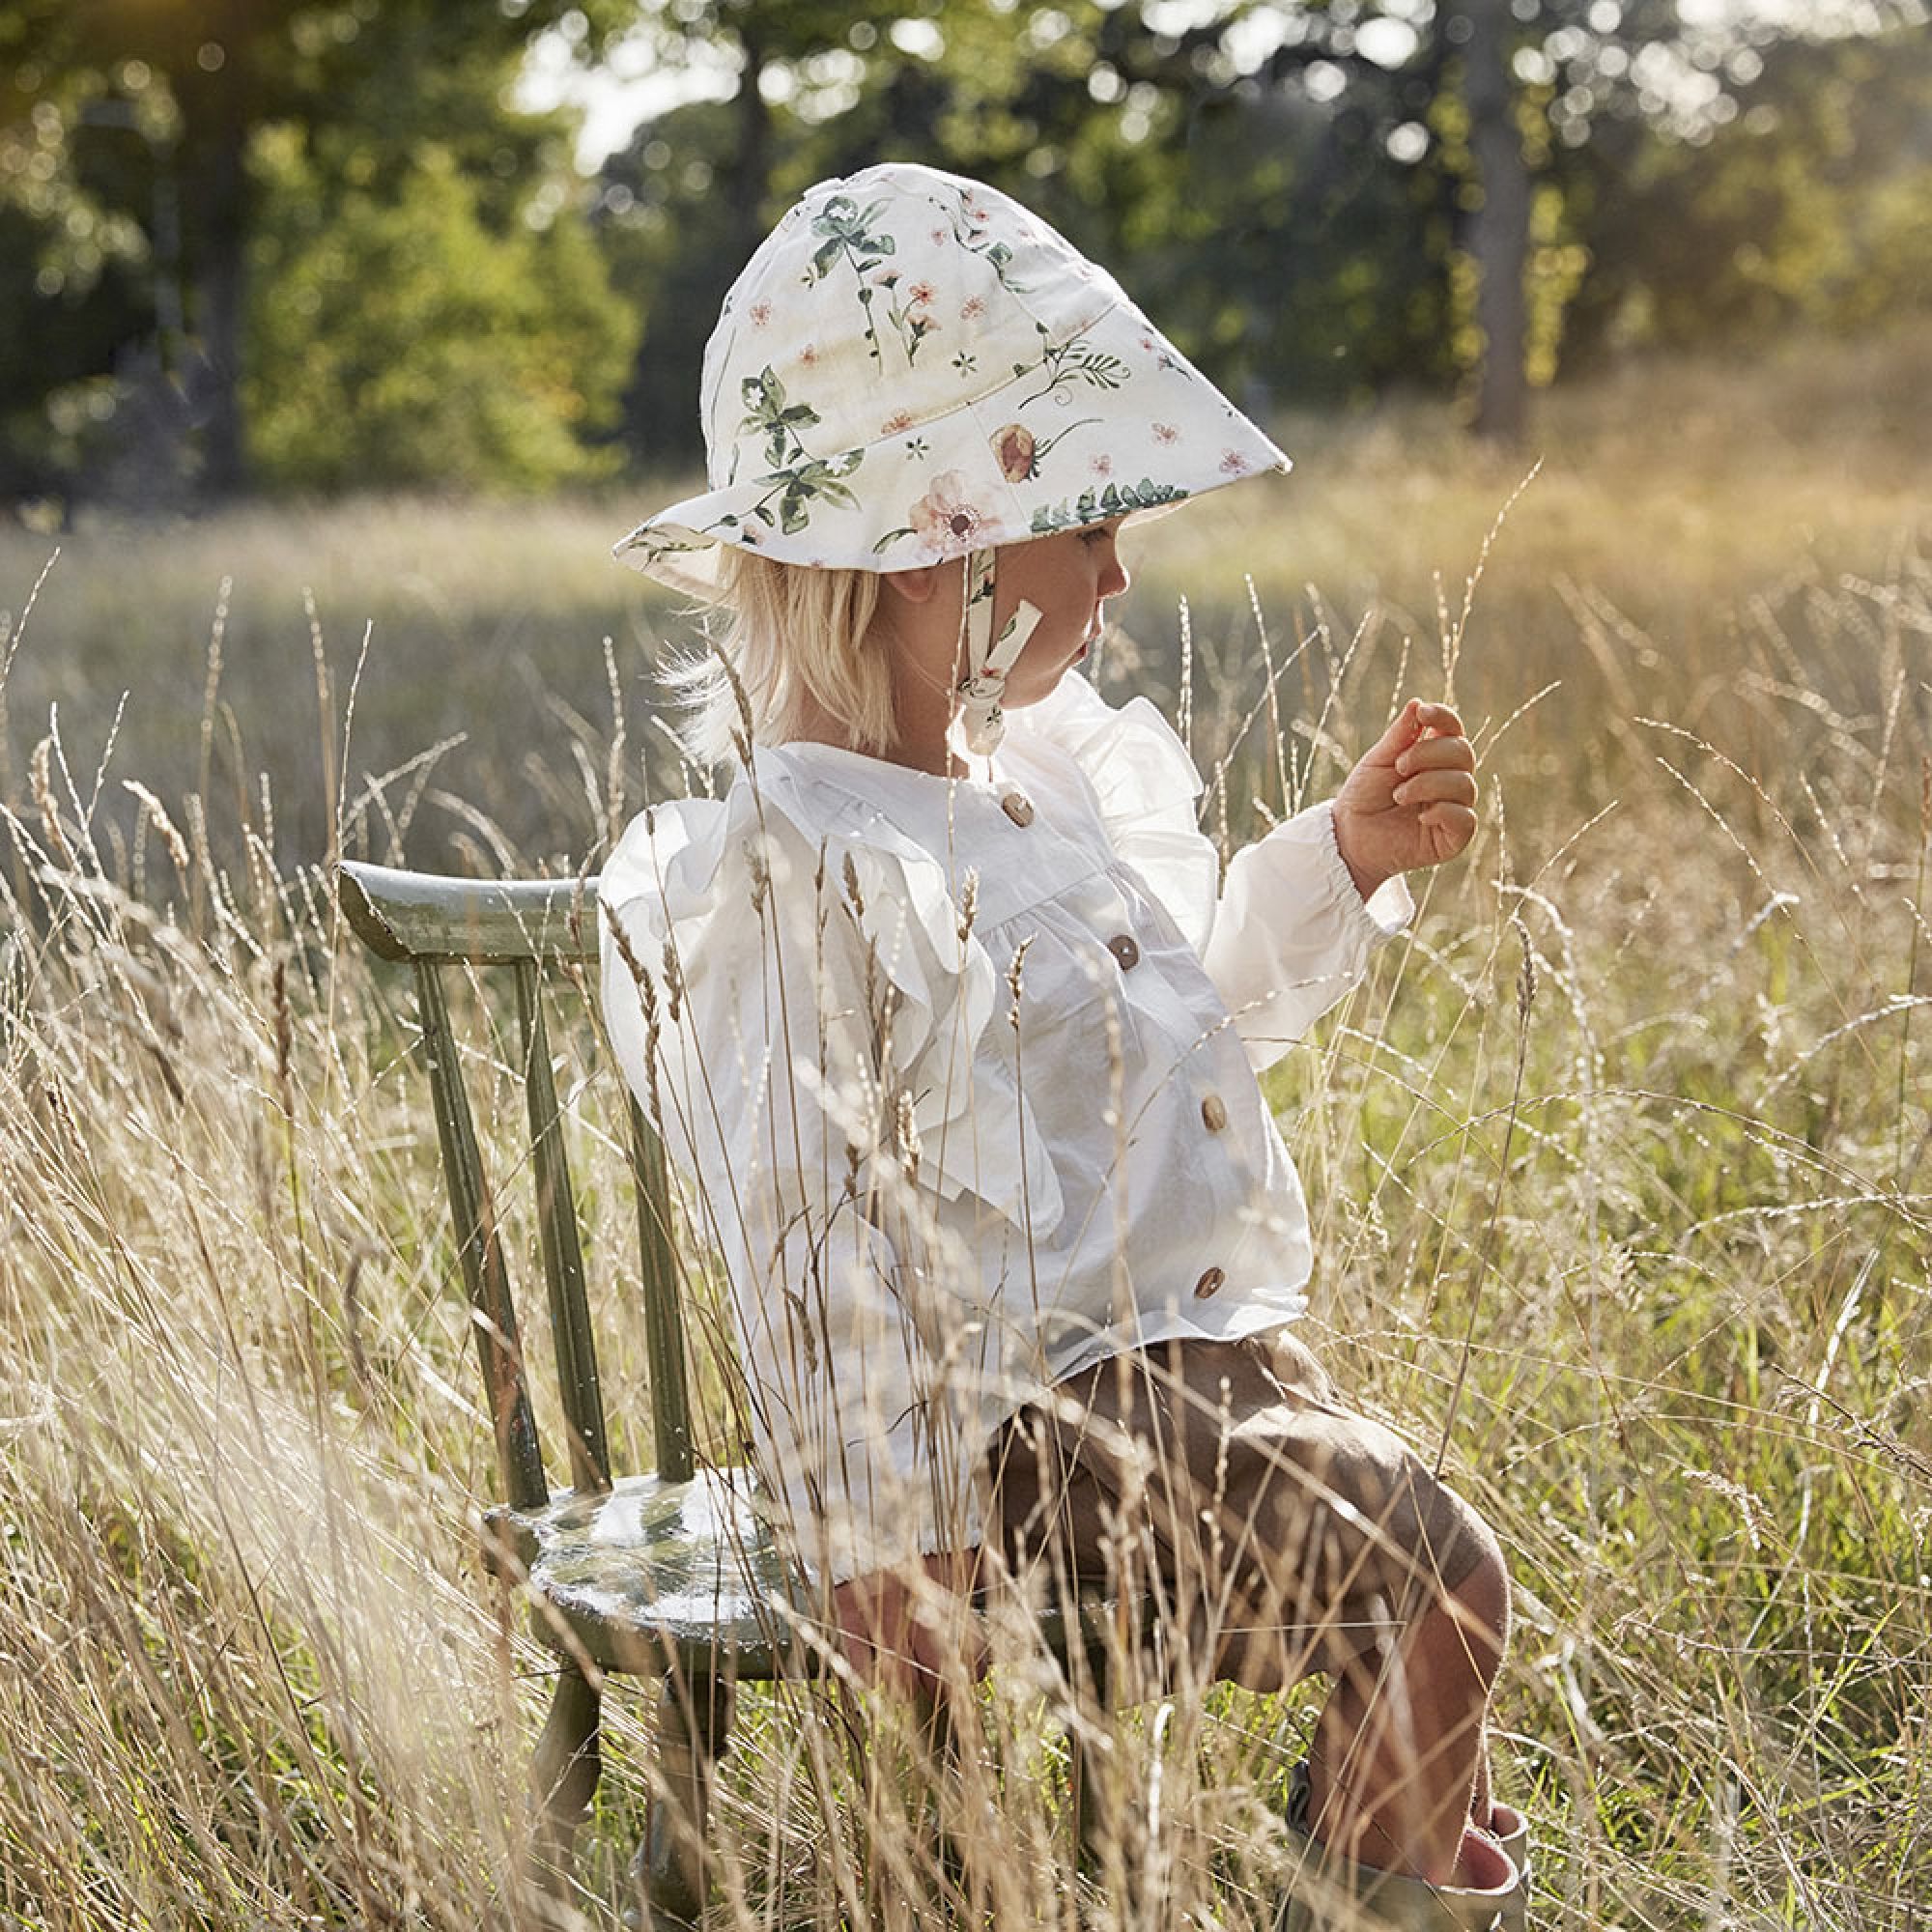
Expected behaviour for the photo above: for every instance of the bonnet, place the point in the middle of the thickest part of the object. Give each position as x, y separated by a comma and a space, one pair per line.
913, 368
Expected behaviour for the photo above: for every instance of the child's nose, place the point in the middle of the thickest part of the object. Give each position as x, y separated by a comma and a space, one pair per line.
1114, 578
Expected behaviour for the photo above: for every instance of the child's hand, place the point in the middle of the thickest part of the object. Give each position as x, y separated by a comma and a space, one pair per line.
1410, 801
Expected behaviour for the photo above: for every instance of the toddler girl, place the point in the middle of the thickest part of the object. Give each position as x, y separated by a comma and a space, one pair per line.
952, 1025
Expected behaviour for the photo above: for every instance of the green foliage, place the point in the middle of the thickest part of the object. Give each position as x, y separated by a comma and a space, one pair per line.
76, 269
1291, 192
1809, 206
136, 120
401, 339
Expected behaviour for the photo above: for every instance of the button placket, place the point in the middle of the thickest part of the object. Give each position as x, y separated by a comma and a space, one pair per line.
1125, 948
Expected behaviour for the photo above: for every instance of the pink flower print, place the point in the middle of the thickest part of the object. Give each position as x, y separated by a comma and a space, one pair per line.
921, 294
938, 236
972, 308
1014, 448
761, 314
947, 516
1166, 433
807, 356
1233, 463
898, 422
1101, 465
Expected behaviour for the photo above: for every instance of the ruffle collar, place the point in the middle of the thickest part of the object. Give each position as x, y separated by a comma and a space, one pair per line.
690, 872
1144, 785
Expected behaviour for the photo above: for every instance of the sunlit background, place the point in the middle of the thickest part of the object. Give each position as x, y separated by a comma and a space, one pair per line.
319, 303
276, 245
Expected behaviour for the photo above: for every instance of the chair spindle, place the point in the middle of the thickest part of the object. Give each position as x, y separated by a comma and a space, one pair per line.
563, 1250
493, 1314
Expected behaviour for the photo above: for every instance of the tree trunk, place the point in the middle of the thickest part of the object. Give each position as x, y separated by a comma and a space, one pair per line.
753, 168
222, 295
1499, 235
219, 106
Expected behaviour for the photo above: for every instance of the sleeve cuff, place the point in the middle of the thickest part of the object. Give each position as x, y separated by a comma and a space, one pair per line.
1385, 912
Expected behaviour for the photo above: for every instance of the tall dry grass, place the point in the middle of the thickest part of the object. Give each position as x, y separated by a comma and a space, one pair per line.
1620, 1168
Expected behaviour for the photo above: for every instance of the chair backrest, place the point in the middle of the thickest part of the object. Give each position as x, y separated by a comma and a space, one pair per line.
533, 927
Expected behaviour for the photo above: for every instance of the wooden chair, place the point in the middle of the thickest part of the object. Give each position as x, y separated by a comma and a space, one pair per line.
674, 1574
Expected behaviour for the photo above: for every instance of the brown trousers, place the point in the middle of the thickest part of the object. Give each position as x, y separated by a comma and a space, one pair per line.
1281, 1531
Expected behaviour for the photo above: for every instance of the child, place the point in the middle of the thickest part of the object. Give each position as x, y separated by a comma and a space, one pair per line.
952, 1025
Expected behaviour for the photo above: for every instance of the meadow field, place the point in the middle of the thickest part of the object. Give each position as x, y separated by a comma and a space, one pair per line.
1619, 1164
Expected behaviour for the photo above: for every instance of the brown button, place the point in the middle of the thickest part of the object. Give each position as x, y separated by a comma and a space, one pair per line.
1018, 808
1208, 1283
1124, 949
1214, 1113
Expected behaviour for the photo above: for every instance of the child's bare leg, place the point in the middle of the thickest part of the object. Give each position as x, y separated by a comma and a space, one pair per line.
1399, 1746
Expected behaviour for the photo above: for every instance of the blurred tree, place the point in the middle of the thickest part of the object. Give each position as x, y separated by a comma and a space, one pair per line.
1317, 199
195, 84
1256, 211
73, 275
1499, 223
690, 199
1810, 203
435, 349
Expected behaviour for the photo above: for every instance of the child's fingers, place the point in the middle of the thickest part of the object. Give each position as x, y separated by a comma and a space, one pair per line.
1403, 729
1413, 726
1438, 754
1454, 825
1436, 720
1451, 786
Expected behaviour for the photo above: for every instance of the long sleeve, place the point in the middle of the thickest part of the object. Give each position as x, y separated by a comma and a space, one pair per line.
1291, 934
1286, 934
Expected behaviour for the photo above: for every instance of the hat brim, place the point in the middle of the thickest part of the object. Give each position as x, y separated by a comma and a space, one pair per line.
1041, 452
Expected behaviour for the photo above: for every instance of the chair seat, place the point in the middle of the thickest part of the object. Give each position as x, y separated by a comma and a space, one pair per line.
649, 1575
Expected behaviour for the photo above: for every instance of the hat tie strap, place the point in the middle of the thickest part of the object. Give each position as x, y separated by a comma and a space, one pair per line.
988, 659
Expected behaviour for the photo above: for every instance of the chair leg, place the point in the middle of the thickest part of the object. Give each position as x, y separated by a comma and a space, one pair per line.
672, 1868
563, 1779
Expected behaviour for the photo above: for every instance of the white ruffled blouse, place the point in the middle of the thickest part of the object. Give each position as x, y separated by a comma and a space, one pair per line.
959, 1074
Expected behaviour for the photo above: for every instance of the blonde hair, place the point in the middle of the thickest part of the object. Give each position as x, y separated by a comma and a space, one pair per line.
793, 634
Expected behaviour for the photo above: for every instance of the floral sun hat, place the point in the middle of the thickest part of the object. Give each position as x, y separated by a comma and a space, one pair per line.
912, 368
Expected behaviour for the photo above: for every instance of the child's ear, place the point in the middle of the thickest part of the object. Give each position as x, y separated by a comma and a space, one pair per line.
916, 586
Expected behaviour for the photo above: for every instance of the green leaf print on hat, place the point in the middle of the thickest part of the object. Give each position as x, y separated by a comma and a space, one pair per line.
847, 229
766, 408
795, 491
853, 233
1075, 361
1100, 507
